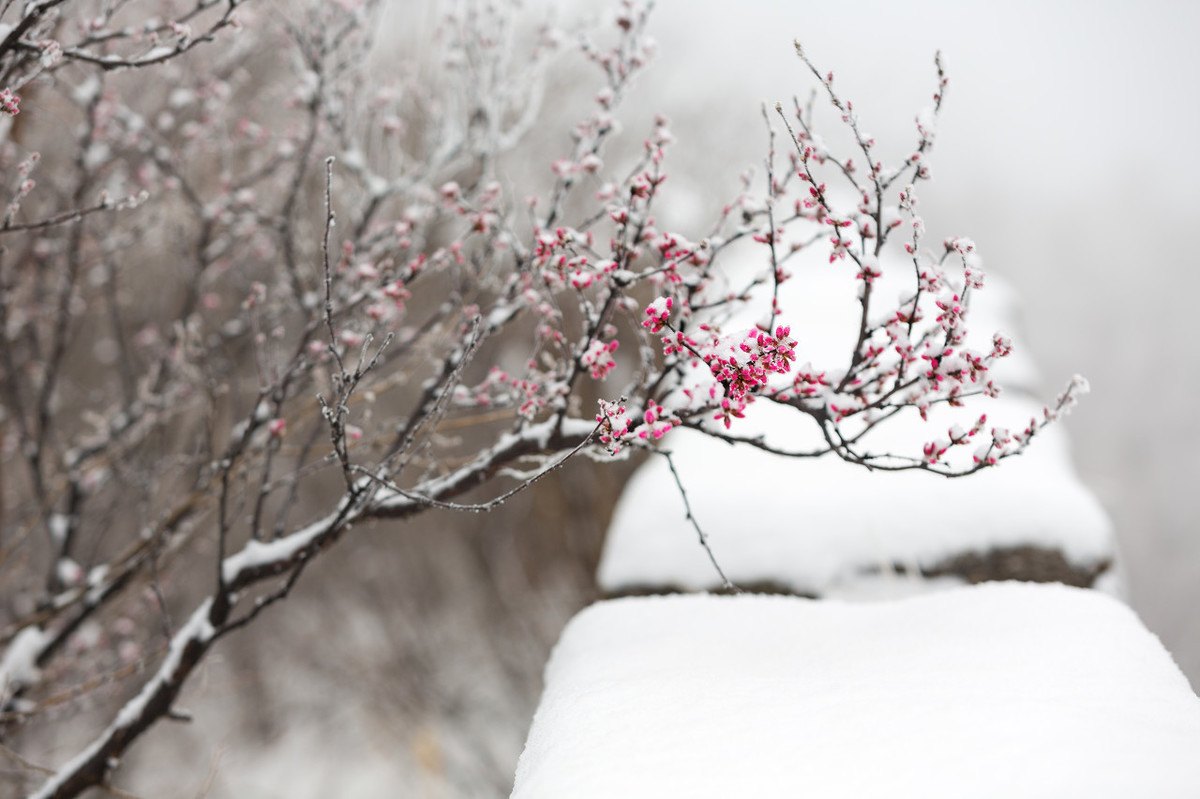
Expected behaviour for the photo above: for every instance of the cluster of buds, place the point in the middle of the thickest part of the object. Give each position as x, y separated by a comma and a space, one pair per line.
10, 103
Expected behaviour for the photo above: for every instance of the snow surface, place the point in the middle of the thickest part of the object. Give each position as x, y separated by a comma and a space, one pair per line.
817, 525
997, 690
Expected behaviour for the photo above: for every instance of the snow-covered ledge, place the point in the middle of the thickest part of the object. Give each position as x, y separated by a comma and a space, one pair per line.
823, 527
998, 690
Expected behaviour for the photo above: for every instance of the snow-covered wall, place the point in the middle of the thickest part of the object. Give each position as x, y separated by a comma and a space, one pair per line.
999, 690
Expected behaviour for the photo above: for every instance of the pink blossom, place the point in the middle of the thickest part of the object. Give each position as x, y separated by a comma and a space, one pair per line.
598, 358
10, 103
657, 313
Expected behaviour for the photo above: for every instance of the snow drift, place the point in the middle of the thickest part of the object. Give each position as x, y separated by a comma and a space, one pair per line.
999, 690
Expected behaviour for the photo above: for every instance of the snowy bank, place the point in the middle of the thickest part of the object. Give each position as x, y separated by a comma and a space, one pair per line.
821, 526
998, 690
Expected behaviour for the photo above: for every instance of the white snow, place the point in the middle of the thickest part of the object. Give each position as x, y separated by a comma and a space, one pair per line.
59, 526
256, 554
158, 53
815, 525
19, 666
998, 690
68, 572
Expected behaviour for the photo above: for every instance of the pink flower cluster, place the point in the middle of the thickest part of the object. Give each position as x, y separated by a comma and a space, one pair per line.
598, 358
935, 450
614, 422
617, 427
500, 389
10, 103
656, 422
657, 314
743, 366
